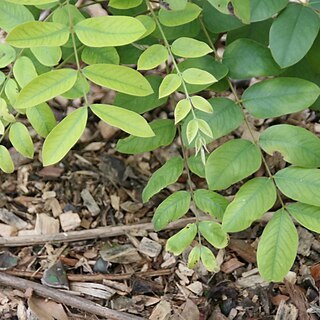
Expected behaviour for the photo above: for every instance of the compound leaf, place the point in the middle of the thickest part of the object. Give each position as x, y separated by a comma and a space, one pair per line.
20, 138
213, 233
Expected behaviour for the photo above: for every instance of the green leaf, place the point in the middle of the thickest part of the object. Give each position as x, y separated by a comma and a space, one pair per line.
24, 71
306, 215
213, 233
42, 119
38, 34
170, 83
190, 48
48, 56
293, 33
172, 18
11, 90
246, 59
45, 87
80, 88
177, 4
192, 130
4, 113
221, 5
20, 138
142, 104
32, 2
251, 202
6, 163
297, 145
100, 55
164, 133
124, 4
64, 136
171, 209
196, 166
1, 128
198, 76
278, 247
152, 57
160, 179
12, 15
210, 202
204, 128
148, 23
7, 55
232, 162
242, 9
208, 259
202, 104
181, 240
280, 96
300, 184
181, 110
261, 9
109, 31
226, 117
126, 120
119, 78
194, 257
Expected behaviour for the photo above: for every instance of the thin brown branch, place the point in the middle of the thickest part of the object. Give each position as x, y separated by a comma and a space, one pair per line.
65, 298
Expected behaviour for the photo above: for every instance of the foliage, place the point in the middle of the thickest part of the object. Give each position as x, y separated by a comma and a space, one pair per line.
54, 47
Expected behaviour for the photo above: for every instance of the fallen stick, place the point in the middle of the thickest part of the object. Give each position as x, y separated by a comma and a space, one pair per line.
98, 233
64, 298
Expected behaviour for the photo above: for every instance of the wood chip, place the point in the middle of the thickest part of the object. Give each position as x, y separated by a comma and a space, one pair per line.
190, 311
117, 286
251, 282
243, 249
48, 194
162, 311
51, 172
106, 131
11, 219
306, 239
286, 312
124, 254
7, 231
93, 289
231, 265
89, 202
69, 221
54, 205
149, 247
196, 287
46, 224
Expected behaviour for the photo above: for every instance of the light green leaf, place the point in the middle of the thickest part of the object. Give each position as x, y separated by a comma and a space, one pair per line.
280, 96
126, 120
20, 138
246, 58
2, 77
181, 240
261, 9
169, 84
181, 110
210, 202
24, 71
61, 15
300, 184
293, 33
100, 55
172, 18
45, 87
109, 31
232, 162
38, 34
148, 23
1, 128
12, 15
160, 179
11, 90
297, 145
80, 88
220, 5
48, 56
64, 136
196, 166
190, 48
278, 247
177, 4
202, 104
119, 78
306, 215
124, 4
6, 163
204, 127
42, 119
198, 76
242, 10
251, 202
213, 233
32, 2
152, 57
194, 257
192, 130
4, 112
7, 55
171, 209
164, 130
209, 260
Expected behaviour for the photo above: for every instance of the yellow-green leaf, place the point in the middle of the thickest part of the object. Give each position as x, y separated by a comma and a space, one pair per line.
6, 163
169, 84
48, 56
181, 110
24, 71
20, 138
192, 130
190, 48
152, 57
202, 104
198, 76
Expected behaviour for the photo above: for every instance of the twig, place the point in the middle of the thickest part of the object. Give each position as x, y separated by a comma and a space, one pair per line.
98, 233
94, 277
62, 297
